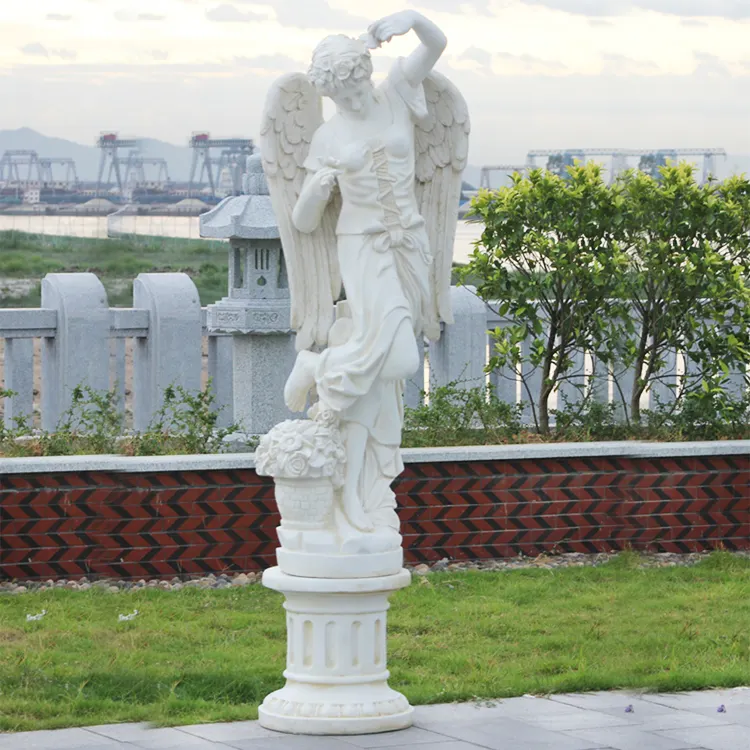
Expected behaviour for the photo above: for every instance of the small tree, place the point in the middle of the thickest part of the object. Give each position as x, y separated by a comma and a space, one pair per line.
688, 248
550, 260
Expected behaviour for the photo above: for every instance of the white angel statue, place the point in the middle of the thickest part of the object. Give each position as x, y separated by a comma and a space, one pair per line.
368, 198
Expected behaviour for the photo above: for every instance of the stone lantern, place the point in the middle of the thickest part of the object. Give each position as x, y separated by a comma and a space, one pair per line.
256, 311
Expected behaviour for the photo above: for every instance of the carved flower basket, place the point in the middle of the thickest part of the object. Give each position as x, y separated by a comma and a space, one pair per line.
306, 459
305, 503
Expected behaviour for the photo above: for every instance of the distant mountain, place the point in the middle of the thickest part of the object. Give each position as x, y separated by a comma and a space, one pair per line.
26, 139
87, 157
179, 158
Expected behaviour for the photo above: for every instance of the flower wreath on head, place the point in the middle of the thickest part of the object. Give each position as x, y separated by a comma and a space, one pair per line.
339, 61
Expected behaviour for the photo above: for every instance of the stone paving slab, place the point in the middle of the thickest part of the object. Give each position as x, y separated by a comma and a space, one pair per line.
730, 737
591, 721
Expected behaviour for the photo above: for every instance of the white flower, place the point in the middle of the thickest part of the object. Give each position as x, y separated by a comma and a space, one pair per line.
342, 69
292, 441
296, 466
302, 448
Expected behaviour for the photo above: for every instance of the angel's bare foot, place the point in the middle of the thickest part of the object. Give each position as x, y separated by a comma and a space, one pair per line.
301, 381
354, 511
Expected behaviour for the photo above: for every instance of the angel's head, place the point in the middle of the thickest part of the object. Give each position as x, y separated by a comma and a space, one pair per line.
342, 70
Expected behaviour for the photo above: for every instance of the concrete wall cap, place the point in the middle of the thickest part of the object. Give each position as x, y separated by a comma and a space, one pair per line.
237, 461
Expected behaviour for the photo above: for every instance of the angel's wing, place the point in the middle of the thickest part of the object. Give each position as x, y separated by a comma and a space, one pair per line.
442, 149
292, 114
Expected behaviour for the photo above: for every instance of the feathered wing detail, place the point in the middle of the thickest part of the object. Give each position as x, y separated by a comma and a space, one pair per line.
292, 114
442, 140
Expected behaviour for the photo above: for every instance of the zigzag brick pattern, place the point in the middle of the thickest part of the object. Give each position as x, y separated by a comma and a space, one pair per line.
124, 525
476, 510
128, 525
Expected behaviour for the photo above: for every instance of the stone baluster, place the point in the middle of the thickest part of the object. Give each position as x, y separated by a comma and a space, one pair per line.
78, 355
170, 355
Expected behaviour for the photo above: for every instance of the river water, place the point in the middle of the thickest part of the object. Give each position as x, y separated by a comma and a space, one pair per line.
166, 226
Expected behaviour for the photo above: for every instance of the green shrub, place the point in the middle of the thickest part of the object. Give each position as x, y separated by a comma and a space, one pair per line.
452, 415
630, 273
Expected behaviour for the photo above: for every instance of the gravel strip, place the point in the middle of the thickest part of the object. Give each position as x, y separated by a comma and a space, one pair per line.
225, 581
568, 560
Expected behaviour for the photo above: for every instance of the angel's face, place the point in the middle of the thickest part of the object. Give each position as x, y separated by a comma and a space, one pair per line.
356, 99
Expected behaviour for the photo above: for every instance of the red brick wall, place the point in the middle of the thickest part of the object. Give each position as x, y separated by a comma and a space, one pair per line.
186, 523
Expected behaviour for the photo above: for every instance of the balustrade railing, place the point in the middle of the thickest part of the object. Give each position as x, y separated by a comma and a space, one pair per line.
75, 338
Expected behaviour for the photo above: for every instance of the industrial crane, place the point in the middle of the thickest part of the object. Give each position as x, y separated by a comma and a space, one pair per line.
234, 152
110, 145
620, 157
135, 171
486, 172
47, 173
19, 169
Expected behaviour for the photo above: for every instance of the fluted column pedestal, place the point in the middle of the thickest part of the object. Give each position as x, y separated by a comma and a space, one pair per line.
336, 676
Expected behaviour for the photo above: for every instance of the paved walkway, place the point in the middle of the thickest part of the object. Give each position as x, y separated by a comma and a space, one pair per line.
709, 720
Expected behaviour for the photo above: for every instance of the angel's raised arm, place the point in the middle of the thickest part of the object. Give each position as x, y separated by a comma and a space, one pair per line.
418, 65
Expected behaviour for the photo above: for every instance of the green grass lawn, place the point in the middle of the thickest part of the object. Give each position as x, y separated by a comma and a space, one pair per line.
201, 656
114, 261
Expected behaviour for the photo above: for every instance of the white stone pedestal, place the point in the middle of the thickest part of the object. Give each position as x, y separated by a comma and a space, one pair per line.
336, 676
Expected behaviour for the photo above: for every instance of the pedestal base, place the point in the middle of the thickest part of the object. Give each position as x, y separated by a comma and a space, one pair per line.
336, 676
310, 565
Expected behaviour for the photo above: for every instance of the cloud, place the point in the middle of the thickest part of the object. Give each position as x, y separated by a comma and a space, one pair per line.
530, 63
454, 6
230, 14
316, 14
129, 16
58, 17
600, 22
478, 55
585, 7
35, 49
733, 9
709, 65
693, 22
278, 63
513, 114
159, 54
619, 65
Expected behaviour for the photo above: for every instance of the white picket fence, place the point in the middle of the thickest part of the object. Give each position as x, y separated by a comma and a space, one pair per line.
75, 338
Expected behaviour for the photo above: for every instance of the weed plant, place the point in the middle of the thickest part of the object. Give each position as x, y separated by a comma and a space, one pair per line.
454, 415
93, 424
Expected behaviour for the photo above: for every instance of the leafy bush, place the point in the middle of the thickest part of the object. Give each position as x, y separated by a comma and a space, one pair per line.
185, 423
628, 273
451, 415
686, 287
454, 416
93, 424
550, 256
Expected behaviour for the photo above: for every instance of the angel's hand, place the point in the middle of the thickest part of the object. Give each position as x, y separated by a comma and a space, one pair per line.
323, 180
396, 24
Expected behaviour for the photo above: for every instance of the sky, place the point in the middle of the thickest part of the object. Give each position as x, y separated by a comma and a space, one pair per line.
536, 73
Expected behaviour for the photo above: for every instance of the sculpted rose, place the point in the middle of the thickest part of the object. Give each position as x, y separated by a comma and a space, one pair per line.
296, 465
